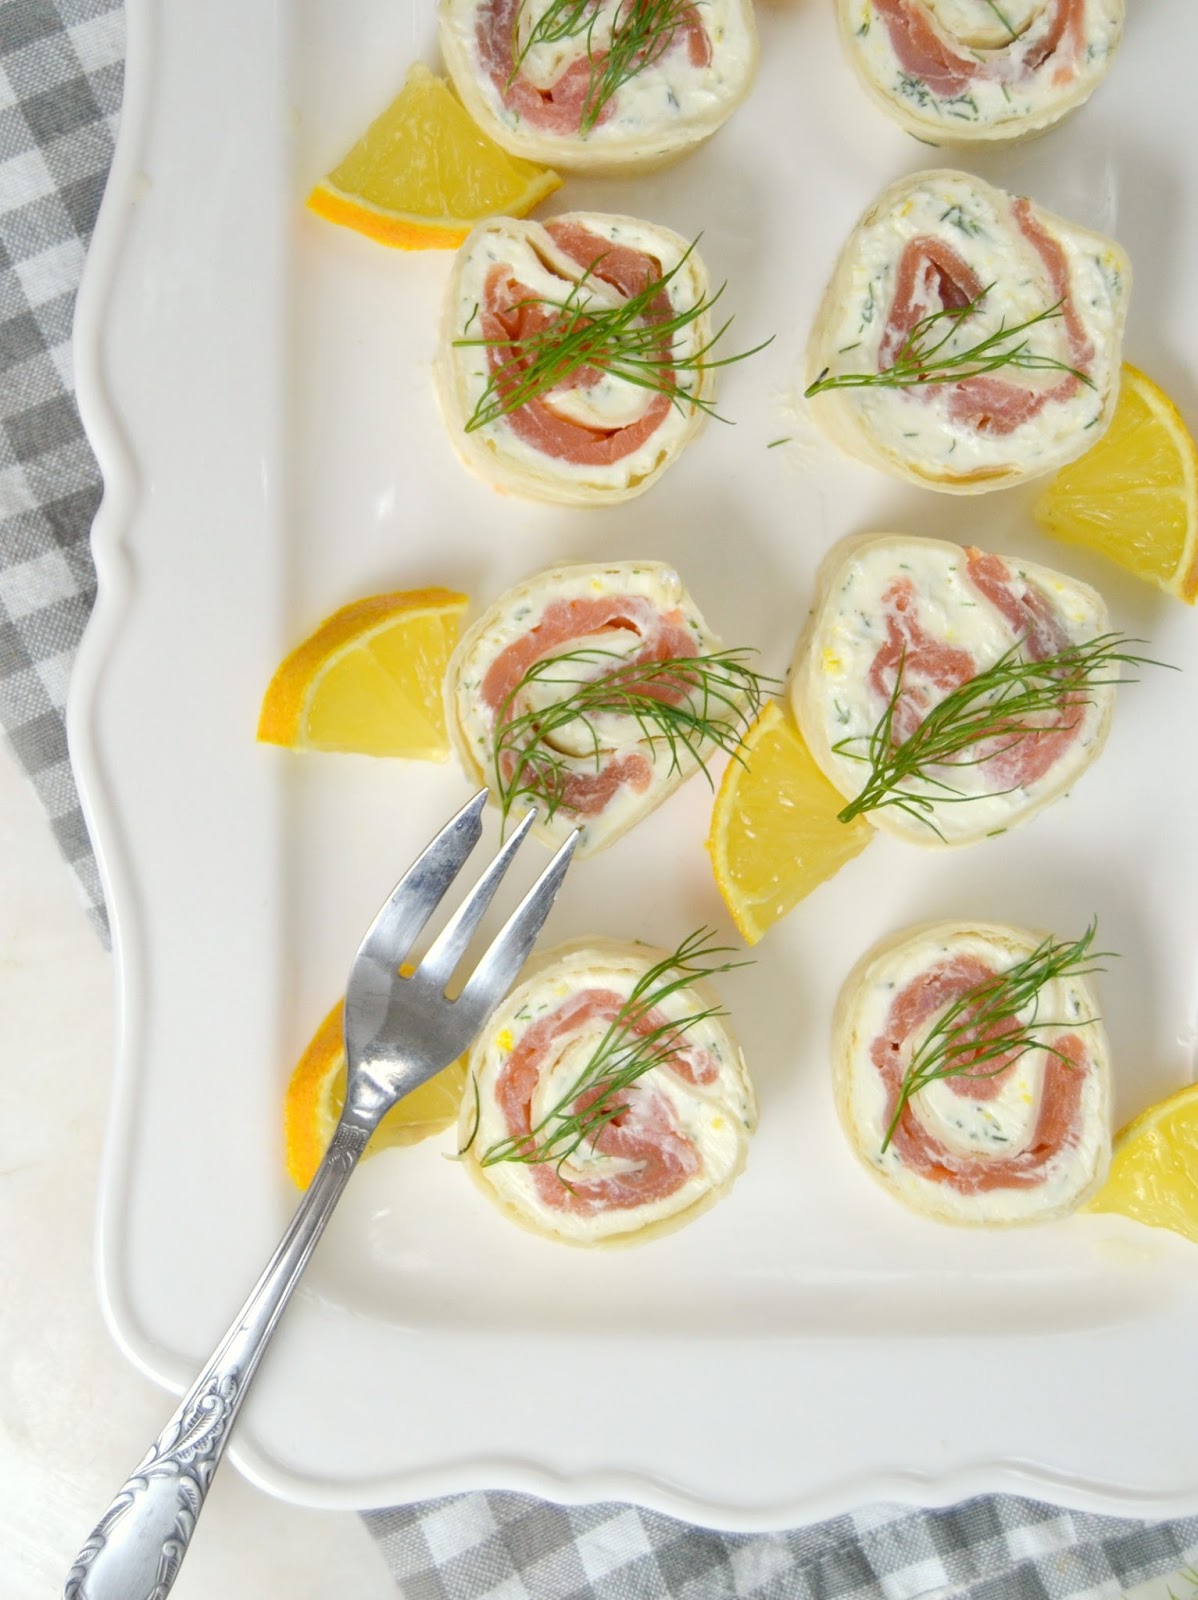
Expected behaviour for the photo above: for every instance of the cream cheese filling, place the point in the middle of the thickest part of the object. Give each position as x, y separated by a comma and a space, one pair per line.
607, 403
472, 720
716, 1118
851, 629
967, 1127
670, 91
983, 25
915, 425
1007, 97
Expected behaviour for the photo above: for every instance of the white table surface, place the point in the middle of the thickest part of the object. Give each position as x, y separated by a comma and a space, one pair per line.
74, 1416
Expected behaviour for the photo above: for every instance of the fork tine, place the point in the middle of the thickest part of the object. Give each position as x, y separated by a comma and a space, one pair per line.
448, 948
497, 970
421, 889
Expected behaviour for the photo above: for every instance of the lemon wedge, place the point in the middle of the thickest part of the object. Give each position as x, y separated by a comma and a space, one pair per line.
774, 830
1134, 497
1154, 1167
369, 679
423, 174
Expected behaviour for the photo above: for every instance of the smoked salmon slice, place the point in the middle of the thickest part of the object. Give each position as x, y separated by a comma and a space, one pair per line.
521, 718
999, 74
560, 105
968, 339
900, 625
613, 86
522, 416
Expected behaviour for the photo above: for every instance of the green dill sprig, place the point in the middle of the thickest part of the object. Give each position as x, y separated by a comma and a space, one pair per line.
984, 1024
1000, 704
632, 340
641, 32
561, 19
687, 705
923, 356
626, 1051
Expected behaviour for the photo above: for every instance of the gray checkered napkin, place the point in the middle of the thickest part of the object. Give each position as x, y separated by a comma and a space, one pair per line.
60, 88
60, 93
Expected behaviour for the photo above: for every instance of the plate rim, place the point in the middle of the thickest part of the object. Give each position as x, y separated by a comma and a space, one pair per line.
119, 468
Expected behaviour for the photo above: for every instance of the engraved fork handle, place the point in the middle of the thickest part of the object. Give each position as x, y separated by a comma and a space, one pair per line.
138, 1545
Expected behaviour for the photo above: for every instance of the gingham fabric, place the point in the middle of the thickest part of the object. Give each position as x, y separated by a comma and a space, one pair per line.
511, 1547
60, 94
60, 86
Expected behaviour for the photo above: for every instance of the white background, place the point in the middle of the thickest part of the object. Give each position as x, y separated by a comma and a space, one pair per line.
74, 1418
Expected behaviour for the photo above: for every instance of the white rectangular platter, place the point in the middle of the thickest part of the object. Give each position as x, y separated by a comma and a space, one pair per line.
256, 385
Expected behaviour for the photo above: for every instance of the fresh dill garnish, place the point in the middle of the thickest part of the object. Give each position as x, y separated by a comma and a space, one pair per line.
688, 705
561, 19
632, 340
923, 356
631, 1045
982, 1033
641, 32
981, 718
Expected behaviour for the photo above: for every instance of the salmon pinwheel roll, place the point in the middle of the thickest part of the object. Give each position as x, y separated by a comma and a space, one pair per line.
968, 340
592, 692
606, 1100
972, 1072
601, 86
965, 71
950, 694
571, 366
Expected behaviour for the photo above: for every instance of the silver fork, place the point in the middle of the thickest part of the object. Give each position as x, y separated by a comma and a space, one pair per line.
398, 1032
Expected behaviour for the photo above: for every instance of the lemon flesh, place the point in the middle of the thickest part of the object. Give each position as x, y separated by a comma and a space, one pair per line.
368, 680
1134, 497
423, 173
774, 830
1154, 1167
383, 697
316, 1094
